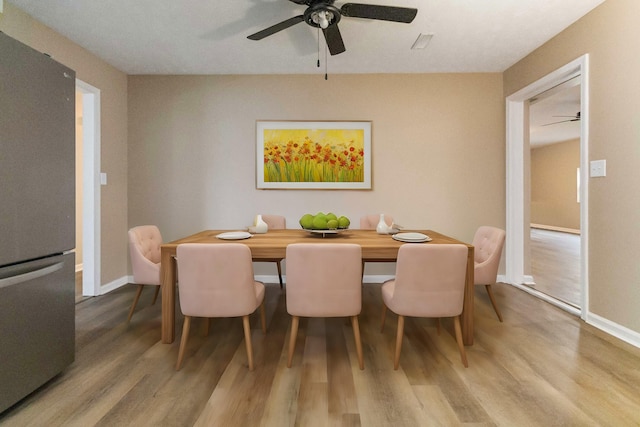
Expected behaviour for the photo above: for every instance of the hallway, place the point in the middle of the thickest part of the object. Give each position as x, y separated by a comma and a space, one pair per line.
555, 264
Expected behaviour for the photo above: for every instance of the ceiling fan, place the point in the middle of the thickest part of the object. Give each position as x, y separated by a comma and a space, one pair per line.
575, 118
324, 15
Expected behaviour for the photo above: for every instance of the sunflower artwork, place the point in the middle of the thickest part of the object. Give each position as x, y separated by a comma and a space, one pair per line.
310, 157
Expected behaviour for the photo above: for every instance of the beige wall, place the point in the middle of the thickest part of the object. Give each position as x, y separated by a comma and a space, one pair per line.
554, 185
607, 35
438, 143
438, 149
113, 86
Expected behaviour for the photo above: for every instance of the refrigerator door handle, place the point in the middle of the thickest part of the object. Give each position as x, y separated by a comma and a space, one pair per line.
25, 277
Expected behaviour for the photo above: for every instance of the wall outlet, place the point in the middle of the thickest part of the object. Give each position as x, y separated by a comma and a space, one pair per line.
598, 168
103, 178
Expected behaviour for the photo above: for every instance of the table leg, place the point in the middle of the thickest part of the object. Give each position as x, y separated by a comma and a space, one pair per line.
168, 281
467, 308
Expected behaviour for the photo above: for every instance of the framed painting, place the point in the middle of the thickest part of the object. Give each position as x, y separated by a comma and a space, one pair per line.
313, 155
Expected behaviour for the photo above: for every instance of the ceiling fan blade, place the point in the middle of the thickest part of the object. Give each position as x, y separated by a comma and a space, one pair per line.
275, 28
383, 13
562, 121
334, 39
577, 116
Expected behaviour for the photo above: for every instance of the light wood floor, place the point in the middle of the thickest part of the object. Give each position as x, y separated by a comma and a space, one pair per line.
555, 264
541, 367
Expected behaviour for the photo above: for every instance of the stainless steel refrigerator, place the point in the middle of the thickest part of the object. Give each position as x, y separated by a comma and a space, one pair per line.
37, 219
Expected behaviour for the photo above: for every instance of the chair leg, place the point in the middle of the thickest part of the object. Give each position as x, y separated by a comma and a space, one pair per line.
396, 357
493, 301
292, 338
279, 272
356, 335
384, 316
183, 341
463, 353
135, 302
263, 318
247, 339
155, 296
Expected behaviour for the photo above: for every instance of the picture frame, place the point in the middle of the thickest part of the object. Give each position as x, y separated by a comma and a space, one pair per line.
313, 155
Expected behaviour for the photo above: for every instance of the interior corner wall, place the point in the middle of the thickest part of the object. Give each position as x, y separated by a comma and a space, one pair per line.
614, 103
554, 185
113, 95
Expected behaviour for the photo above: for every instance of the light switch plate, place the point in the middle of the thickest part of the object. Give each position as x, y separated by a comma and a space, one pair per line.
598, 168
103, 178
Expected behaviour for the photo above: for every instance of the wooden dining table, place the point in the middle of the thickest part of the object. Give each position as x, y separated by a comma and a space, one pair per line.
273, 244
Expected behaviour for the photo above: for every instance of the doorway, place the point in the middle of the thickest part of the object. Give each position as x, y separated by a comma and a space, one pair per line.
90, 188
517, 256
554, 197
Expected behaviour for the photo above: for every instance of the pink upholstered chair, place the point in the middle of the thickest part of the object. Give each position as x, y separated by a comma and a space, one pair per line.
275, 222
370, 222
488, 243
429, 282
144, 249
324, 280
216, 280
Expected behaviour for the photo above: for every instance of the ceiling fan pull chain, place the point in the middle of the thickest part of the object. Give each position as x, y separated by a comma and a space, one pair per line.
326, 75
318, 47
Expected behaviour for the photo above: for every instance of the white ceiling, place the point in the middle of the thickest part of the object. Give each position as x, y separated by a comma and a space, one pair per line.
551, 116
210, 37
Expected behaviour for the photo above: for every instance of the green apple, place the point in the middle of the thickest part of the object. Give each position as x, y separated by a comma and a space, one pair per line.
319, 222
306, 221
343, 222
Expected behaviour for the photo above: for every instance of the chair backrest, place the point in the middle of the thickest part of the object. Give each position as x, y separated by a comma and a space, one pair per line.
215, 280
370, 222
430, 279
488, 243
275, 222
144, 249
324, 279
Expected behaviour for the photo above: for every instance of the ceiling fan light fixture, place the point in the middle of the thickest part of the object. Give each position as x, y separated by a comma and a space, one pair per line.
422, 41
324, 22
322, 18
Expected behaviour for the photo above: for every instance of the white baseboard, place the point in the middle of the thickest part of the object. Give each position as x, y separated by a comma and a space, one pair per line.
266, 278
366, 279
621, 332
112, 286
527, 280
555, 228
378, 278
561, 305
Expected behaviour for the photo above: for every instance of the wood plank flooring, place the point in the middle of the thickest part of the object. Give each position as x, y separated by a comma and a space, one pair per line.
555, 264
541, 367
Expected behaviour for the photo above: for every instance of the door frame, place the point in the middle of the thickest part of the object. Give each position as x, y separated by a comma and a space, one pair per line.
517, 121
90, 188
